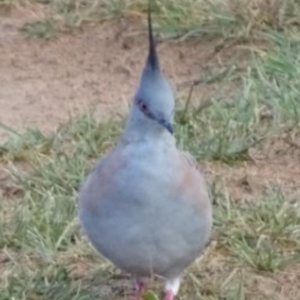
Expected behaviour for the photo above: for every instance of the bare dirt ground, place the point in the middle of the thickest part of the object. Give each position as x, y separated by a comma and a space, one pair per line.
42, 82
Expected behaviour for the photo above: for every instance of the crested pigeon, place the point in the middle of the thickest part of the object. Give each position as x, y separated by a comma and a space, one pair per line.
145, 205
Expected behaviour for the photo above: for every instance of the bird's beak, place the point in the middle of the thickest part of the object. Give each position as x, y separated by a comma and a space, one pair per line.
167, 125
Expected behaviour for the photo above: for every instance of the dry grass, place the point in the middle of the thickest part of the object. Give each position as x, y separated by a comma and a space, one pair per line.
238, 20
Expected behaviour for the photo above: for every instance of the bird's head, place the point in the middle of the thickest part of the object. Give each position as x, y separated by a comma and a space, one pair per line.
154, 98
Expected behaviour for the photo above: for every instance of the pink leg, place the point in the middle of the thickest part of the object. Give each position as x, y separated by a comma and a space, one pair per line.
138, 288
172, 288
169, 295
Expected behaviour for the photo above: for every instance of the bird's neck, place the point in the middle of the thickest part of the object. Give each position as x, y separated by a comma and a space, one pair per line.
140, 128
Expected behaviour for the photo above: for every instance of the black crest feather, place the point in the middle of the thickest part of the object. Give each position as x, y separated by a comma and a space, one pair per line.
152, 61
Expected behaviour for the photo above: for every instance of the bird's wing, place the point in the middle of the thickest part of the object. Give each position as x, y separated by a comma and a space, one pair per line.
98, 182
191, 184
190, 159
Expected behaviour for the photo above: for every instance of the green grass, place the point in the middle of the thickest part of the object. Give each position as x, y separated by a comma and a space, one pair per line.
40, 29
255, 250
264, 105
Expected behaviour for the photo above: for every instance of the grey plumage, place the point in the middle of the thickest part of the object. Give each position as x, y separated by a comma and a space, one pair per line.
145, 205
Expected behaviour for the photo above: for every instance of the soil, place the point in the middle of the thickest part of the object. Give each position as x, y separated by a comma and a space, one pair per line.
98, 67
43, 82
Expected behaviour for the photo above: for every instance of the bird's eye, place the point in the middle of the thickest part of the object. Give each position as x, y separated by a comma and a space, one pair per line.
143, 106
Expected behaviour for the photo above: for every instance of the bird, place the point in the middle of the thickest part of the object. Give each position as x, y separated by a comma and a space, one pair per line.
145, 205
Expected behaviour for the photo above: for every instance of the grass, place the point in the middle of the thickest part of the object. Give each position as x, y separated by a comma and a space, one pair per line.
255, 248
238, 20
266, 104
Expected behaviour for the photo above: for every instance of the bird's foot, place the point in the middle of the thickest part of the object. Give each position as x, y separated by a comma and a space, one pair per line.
169, 295
138, 288
172, 288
